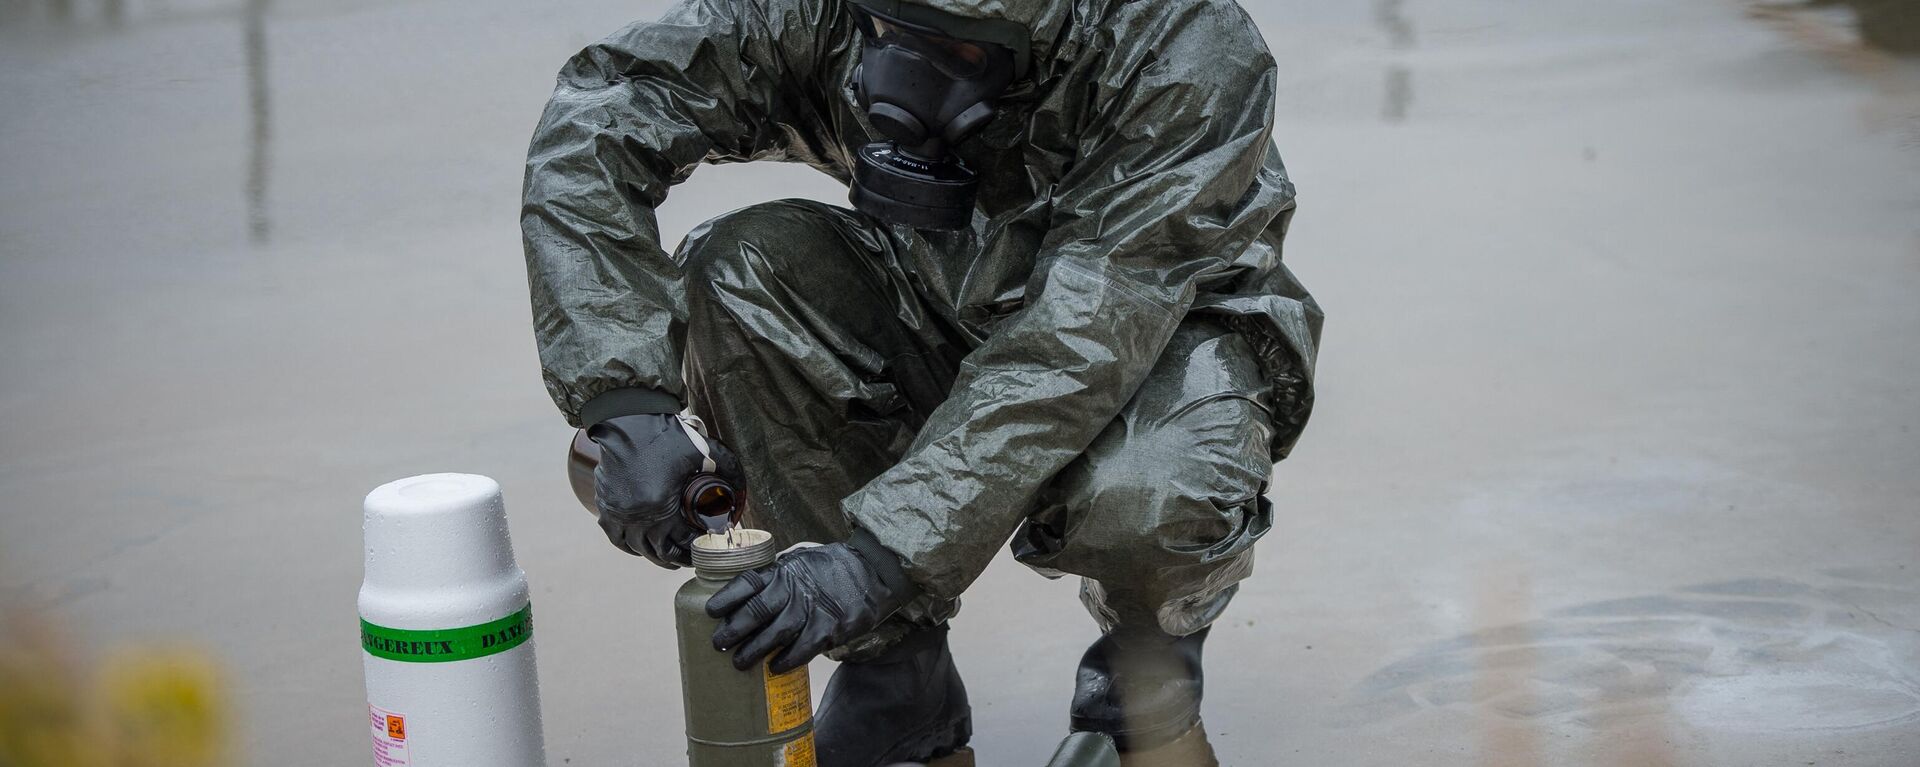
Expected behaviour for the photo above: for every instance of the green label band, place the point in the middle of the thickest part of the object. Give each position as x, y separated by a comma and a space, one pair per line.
443, 645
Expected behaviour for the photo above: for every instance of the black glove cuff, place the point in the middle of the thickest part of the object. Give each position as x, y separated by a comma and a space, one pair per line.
885, 564
637, 400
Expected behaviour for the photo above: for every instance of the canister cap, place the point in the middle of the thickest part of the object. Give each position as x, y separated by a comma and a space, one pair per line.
741, 550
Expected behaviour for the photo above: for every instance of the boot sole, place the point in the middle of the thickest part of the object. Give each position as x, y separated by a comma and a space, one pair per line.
960, 758
1141, 735
942, 741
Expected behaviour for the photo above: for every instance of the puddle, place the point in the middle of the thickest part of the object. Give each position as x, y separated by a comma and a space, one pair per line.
1796, 701
1747, 655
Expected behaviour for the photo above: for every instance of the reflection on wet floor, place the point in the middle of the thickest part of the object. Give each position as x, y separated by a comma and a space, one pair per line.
259, 111
113, 14
65, 12
1834, 32
1390, 17
1399, 90
1891, 25
1753, 655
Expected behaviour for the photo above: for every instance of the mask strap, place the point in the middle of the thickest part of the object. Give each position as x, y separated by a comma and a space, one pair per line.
697, 431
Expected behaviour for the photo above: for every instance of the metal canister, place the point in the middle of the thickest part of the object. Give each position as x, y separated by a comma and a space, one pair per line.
752, 718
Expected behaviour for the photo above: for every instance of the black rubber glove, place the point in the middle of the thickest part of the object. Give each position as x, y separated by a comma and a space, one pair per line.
809, 601
645, 463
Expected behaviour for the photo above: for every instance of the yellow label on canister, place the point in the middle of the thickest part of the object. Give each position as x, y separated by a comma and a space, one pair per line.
789, 701
798, 753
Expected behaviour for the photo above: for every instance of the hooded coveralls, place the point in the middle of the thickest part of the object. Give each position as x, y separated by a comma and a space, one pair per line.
1103, 367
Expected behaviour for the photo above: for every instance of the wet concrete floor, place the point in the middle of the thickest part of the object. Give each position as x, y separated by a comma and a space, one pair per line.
1615, 458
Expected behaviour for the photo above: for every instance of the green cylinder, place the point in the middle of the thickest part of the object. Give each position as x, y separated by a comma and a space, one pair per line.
1085, 749
751, 718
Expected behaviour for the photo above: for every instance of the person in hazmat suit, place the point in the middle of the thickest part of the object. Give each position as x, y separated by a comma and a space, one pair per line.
1055, 313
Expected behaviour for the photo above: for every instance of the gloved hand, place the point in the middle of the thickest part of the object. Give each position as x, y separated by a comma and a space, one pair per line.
645, 462
809, 601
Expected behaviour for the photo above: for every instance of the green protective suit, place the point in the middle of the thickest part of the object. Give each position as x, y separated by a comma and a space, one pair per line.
1104, 366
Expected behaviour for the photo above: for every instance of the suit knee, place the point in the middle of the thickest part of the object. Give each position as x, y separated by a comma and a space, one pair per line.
732, 247
1152, 509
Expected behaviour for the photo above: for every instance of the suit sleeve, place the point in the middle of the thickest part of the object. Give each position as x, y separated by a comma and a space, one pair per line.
630, 116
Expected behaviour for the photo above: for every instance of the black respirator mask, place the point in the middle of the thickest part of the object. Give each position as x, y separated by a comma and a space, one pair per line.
924, 91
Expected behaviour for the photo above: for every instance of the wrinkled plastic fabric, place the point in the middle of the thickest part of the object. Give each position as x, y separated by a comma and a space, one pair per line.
817, 357
1129, 189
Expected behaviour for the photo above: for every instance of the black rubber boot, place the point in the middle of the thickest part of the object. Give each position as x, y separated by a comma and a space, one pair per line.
1142, 687
906, 705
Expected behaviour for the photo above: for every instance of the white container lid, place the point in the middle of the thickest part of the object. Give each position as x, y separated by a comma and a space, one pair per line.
437, 531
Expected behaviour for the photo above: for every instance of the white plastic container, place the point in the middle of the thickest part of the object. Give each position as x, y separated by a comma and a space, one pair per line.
446, 628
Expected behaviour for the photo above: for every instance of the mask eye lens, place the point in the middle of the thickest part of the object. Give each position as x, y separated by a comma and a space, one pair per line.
964, 51
961, 57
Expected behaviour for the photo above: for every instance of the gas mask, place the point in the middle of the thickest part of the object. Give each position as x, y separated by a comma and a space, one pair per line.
925, 90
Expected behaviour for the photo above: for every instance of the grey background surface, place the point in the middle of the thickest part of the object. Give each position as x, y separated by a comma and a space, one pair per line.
1615, 459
